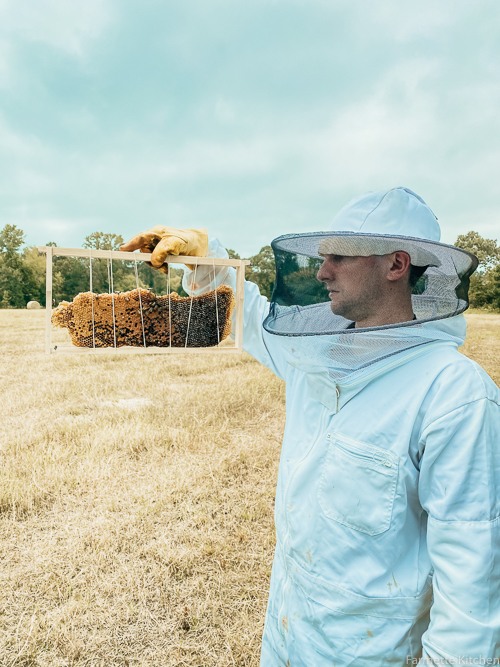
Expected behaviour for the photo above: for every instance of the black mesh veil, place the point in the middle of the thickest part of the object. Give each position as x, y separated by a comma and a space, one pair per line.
300, 305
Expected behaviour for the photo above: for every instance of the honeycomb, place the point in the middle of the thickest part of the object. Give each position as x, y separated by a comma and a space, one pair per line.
162, 322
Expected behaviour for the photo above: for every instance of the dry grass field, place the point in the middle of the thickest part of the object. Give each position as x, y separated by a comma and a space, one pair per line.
136, 502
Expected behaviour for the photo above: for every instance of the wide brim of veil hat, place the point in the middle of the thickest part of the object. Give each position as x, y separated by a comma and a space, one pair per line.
422, 251
376, 223
300, 305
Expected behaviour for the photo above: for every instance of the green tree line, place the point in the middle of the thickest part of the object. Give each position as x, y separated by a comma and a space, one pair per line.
484, 291
484, 283
22, 271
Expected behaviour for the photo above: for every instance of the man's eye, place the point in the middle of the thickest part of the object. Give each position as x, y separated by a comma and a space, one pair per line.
338, 258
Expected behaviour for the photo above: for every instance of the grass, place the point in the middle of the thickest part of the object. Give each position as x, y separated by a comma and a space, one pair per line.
140, 533
483, 342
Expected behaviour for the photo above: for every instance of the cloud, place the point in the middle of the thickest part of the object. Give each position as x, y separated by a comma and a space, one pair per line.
252, 118
68, 26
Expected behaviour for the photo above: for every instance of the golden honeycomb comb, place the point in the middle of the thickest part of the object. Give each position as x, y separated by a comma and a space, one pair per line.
139, 318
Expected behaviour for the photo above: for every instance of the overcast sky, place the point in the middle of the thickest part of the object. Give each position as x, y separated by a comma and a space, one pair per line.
253, 118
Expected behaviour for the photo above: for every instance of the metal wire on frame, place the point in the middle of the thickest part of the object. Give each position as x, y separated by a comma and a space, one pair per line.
109, 276
112, 295
191, 303
92, 299
216, 306
169, 307
140, 301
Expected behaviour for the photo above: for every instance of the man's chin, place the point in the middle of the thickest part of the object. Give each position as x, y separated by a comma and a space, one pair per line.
341, 310
337, 310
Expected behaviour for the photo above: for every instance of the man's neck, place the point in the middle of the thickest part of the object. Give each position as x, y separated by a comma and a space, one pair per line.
384, 319
377, 322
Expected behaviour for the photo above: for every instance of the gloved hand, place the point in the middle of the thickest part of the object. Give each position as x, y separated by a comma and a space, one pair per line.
162, 241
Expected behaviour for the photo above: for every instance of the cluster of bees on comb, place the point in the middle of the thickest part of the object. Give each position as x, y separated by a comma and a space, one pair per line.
140, 317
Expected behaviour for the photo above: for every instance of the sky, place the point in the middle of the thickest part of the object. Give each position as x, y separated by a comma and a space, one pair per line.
252, 118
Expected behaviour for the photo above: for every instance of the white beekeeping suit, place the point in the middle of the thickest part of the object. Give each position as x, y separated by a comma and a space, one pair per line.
388, 496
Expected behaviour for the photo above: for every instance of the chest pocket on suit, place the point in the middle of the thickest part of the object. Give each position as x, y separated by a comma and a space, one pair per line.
358, 484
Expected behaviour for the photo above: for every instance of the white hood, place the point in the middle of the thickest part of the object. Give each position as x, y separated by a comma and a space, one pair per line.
396, 212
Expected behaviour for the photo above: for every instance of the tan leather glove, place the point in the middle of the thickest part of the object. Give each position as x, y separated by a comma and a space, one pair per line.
162, 241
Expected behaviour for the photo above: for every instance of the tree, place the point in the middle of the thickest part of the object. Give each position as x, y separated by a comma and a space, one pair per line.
34, 262
11, 240
18, 284
262, 270
11, 286
123, 277
495, 286
70, 277
159, 282
6, 299
102, 241
486, 250
484, 290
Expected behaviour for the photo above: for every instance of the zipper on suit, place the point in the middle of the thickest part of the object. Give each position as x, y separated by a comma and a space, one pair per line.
358, 453
322, 427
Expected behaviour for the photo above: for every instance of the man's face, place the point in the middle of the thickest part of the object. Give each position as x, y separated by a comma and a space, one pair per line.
354, 284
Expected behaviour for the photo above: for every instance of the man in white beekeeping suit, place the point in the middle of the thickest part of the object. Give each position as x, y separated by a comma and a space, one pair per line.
388, 497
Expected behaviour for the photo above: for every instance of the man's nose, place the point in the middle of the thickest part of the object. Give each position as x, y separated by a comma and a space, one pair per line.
324, 272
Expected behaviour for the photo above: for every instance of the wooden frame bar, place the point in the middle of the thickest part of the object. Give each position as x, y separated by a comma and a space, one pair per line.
140, 256
240, 297
48, 301
238, 264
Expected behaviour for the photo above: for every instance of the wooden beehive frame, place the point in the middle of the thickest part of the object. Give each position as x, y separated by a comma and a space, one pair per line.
238, 264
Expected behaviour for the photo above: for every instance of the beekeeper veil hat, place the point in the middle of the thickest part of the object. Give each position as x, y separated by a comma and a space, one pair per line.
376, 223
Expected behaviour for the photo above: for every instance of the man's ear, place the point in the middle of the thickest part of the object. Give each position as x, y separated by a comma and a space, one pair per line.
399, 265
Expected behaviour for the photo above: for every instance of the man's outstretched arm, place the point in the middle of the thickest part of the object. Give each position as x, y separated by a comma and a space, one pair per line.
261, 345
162, 241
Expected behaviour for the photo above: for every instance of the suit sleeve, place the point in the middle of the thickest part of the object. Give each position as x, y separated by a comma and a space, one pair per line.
263, 346
459, 488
